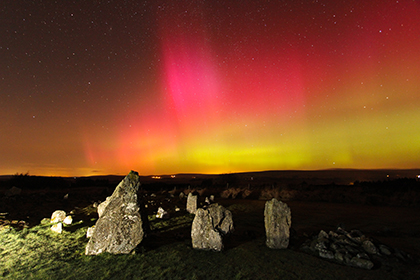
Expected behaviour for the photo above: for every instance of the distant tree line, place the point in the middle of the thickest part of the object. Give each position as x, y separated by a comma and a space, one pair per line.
26, 181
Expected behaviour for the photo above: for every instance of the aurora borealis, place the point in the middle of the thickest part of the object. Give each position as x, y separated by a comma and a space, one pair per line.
104, 87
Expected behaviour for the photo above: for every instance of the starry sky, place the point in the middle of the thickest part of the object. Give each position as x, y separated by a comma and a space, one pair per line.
162, 87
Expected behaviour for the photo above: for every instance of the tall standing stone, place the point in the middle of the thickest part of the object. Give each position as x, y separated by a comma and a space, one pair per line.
120, 227
277, 218
191, 203
209, 227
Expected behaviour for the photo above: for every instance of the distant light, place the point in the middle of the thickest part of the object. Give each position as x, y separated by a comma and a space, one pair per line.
387, 175
418, 176
172, 176
156, 177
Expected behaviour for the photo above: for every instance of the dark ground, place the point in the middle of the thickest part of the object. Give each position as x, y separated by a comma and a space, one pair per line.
385, 208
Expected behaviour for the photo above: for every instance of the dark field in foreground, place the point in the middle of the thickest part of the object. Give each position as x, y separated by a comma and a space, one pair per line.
36, 252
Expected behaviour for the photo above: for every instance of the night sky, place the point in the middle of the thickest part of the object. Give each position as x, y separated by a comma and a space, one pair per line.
162, 87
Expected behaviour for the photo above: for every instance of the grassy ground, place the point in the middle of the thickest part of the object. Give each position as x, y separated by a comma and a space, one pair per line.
39, 253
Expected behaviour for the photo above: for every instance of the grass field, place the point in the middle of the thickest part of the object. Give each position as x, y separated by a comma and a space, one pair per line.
39, 253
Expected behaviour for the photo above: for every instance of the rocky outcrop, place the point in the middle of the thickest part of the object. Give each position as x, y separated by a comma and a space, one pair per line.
278, 220
351, 248
121, 226
191, 203
210, 226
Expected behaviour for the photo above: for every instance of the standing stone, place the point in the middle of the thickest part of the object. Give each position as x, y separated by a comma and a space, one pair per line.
277, 218
191, 203
209, 227
121, 227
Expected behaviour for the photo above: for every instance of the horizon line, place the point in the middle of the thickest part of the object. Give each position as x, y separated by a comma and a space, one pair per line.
225, 173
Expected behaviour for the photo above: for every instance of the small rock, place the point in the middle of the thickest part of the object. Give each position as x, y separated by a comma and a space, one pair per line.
339, 256
320, 245
66, 197
332, 234
68, 220
58, 228
369, 247
58, 216
326, 254
384, 250
162, 214
323, 236
362, 255
340, 230
361, 263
